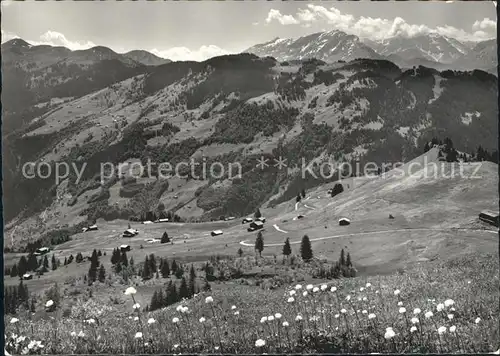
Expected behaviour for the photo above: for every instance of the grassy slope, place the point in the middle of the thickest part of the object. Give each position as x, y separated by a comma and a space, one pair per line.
474, 295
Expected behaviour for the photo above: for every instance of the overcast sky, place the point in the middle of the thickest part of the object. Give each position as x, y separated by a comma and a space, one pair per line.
198, 30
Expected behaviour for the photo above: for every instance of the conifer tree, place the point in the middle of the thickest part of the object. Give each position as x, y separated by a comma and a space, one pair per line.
146, 271
179, 272
240, 252
259, 243
152, 263
54, 263
183, 290
172, 296
305, 249
342, 258
287, 249
174, 266
124, 258
192, 281
102, 274
13, 271
165, 269
257, 214
165, 239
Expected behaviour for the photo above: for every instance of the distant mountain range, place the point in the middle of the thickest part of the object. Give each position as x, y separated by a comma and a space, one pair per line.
435, 51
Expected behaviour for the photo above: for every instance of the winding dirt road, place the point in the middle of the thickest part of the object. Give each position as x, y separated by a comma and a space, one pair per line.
247, 244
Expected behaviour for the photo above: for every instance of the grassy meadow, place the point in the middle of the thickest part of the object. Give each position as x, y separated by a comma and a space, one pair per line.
449, 307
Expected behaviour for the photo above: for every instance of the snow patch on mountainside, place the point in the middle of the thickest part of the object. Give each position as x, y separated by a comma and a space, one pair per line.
437, 89
413, 101
403, 131
468, 116
374, 125
357, 84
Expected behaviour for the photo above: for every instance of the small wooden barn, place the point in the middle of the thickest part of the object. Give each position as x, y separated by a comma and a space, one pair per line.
344, 221
489, 217
124, 247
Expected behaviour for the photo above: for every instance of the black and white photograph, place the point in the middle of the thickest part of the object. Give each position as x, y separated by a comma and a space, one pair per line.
250, 177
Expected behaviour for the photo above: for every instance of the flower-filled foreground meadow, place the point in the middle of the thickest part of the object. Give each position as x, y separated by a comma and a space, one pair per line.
447, 308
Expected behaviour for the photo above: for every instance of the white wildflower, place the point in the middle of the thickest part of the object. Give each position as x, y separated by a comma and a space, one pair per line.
259, 343
285, 324
138, 335
175, 320
291, 300
277, 316
233, 307
477, 320
130, 291
298, 286
270, 318
315, 290
450, 316
73, 334
441, 330
400, 304
414, 320
136, 306
304, 294
292, 292
361, 289
448, 302
81, 334
364, 312
368, 285
49, 303
263, 319
429, 314
298, 318
209, 300
237, 312
371, 316
453, 329
440, 307
348, 298
343, 311
309, 287
136, 318
324, 287
416, 311
333, 289
151, 321
396, 292
389, 333
413, 329
14, 320
202, 320
402, 310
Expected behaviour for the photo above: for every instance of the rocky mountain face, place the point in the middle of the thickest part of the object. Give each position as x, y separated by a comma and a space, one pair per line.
232, 109
433, 50
329, 46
